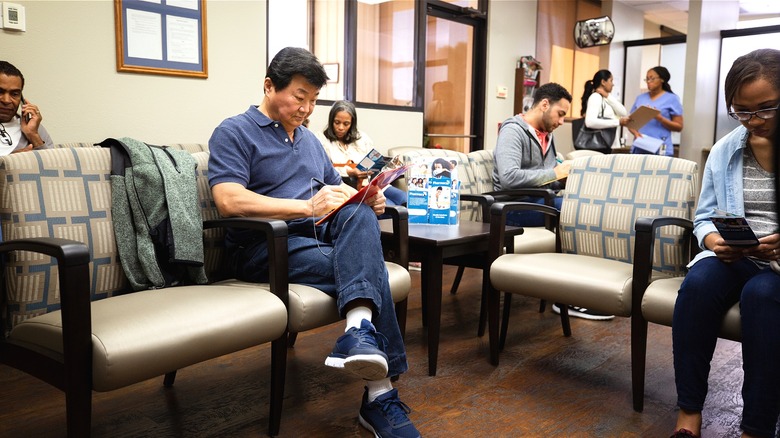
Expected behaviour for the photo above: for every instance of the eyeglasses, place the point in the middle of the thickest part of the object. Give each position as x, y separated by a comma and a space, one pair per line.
651, 79
5, 136
746, 116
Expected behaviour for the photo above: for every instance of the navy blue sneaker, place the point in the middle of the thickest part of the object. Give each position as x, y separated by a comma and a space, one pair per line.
387, 416
361, 352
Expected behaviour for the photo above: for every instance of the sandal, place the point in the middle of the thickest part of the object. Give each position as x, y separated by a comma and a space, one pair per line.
683, 433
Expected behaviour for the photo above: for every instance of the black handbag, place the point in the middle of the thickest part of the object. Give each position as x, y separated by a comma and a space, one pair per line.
596, 139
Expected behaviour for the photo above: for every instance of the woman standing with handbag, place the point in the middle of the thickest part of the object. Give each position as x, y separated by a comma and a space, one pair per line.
602, 113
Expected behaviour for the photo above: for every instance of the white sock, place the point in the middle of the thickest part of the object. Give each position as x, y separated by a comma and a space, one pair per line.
356, 315
378, 387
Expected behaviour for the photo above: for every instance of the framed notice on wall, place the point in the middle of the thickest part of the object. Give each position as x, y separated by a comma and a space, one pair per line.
165, 37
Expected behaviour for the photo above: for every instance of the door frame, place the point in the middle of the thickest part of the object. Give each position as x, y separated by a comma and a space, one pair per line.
470, 17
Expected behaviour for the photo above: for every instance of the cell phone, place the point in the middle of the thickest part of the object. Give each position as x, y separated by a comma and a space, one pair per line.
28, 116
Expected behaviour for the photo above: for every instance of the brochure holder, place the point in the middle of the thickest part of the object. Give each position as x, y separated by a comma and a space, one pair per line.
433, 192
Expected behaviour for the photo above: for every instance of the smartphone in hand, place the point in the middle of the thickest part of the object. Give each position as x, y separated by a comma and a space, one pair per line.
27, 116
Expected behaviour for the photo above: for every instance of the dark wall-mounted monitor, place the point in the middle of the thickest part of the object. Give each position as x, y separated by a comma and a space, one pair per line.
594, 32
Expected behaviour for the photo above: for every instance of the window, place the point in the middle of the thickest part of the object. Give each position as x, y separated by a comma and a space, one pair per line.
385, 53
383, 50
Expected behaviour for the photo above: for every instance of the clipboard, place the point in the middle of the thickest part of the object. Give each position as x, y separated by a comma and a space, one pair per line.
641, 116
378, 183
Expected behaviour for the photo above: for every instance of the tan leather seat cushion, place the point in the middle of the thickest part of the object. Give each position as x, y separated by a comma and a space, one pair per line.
311, 308
658, 307
535, 240
596, 283
146, 334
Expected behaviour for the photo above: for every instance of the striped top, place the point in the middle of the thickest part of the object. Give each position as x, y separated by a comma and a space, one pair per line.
759, 196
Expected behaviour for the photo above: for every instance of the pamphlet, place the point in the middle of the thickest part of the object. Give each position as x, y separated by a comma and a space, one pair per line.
734, 229
374, 160
433, 192
378, 183
649, 144
641, 116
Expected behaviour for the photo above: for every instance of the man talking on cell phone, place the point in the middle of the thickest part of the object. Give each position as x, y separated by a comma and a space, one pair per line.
20, 131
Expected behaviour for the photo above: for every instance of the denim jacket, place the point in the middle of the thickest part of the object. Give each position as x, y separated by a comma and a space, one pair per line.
721, 186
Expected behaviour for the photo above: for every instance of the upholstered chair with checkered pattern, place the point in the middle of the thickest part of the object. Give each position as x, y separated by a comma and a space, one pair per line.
68, 315
593, 266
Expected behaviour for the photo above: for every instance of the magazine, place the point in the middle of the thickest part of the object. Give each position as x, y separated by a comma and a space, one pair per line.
373, 161
734, 229
379, 182
433, 192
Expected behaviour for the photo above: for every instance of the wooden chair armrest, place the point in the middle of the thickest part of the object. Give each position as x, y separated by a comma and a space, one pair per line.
518, 194
484, 201
396, 248
73, 267
498, 212
275, 232
646, 228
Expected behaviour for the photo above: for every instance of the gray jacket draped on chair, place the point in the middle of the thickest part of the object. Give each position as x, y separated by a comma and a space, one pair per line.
157, 222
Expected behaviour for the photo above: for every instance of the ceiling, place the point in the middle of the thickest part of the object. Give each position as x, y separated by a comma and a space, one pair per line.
674, 13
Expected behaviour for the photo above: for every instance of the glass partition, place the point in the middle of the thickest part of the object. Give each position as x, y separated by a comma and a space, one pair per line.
731, 49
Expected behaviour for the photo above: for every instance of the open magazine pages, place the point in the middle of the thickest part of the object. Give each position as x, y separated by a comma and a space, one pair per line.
379, 182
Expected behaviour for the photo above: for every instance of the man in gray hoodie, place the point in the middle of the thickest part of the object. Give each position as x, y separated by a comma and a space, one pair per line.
525, 150
525, 158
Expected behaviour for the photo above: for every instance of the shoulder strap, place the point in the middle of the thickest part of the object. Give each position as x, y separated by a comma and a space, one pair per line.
603, 102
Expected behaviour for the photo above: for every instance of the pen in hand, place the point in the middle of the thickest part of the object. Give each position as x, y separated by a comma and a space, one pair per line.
319, 181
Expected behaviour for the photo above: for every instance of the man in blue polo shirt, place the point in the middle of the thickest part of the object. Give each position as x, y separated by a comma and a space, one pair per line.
264, 163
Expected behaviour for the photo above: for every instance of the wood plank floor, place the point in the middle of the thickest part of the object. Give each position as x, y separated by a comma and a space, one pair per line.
546, 385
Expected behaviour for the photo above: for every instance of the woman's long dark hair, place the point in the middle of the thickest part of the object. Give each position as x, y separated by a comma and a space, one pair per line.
348, 107
591, 85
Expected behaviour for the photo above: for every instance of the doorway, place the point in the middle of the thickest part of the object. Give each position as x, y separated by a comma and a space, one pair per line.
454, 96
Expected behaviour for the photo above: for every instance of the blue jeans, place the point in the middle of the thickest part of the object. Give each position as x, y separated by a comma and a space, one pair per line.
395, 196
345, 261
531, 218
708, 291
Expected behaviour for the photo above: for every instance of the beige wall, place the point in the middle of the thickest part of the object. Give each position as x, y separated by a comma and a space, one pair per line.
512, 34
69, 61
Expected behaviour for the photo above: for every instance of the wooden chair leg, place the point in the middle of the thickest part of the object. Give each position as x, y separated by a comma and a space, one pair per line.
483, 306
456, 281
400, 315
564, 319
493, 302
169, 378
278, 375
78, 411
505, 320
638, 360
291, 337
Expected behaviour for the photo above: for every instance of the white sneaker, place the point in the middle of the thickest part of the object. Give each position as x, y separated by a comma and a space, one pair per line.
581, 312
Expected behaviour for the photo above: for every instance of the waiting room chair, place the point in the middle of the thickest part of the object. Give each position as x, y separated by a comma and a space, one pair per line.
658, 296
69, 317
593, 266
582, 153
